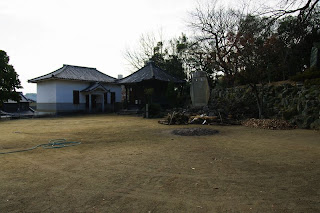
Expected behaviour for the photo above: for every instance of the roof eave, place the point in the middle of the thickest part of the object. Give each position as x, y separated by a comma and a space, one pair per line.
67, 79
46, 79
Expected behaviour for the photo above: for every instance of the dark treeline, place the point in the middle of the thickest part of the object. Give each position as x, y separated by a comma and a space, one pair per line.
237, 48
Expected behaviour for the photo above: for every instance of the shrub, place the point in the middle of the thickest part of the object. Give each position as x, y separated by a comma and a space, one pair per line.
310, 82
155, 111
311, 73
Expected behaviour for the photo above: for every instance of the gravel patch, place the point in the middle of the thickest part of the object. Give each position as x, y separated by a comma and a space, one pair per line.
194, 131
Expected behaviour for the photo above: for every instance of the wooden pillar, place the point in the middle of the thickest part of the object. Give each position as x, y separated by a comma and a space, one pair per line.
90, 104
126, 88
103, 102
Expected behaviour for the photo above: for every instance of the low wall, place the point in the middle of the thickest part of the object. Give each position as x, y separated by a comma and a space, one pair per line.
75, 108
298, 104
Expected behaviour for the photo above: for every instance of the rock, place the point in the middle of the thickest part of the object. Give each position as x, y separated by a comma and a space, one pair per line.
294, 103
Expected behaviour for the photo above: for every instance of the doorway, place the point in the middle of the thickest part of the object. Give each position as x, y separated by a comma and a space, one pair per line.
94, 101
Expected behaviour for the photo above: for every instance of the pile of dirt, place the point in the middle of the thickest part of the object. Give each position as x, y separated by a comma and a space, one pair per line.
274, 124
194, 131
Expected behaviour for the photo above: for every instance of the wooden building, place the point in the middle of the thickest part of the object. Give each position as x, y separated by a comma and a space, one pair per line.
19, 108
148, 83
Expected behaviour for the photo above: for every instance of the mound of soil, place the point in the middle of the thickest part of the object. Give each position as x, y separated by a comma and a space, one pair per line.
194, 131
274, 124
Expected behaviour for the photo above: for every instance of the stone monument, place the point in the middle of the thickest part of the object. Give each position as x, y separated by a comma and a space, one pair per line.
200, 89
315, 55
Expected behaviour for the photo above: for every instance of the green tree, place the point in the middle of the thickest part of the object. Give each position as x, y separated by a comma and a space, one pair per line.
193, 56
9, 80
168, 61
298, 38
255, 55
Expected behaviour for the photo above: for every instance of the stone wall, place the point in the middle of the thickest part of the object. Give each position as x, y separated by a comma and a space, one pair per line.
299, 105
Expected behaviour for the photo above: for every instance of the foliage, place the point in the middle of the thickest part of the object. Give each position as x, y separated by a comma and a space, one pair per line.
247, 48
310, 82
9, 80
234, 102
164, 54
155, 111
251, 49
169, 56
312, 73
149, 93
298, 104
237, 48
171, 95
297, 42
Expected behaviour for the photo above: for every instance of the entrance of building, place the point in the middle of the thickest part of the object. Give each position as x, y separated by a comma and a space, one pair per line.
93, 101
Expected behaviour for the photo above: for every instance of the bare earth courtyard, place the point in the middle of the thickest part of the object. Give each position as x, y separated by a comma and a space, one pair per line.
131, 164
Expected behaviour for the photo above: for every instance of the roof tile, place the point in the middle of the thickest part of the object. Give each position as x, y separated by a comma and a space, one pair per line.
69, 72
149, 72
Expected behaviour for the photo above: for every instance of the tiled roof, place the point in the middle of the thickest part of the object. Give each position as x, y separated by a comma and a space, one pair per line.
69, 72
22, 99
95, 86
149, 72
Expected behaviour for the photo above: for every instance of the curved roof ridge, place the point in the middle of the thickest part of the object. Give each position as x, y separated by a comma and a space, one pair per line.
105, 74
78, 66
131, 73
49, 74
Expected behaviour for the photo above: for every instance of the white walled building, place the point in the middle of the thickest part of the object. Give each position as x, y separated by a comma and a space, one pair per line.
76, 89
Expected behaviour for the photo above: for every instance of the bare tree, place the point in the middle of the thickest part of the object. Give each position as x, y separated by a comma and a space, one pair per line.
302, 8
138, 56
213, 28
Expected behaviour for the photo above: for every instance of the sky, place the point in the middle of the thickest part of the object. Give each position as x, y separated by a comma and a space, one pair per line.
40, 36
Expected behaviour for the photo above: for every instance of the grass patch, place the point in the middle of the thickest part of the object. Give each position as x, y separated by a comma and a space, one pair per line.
131, 164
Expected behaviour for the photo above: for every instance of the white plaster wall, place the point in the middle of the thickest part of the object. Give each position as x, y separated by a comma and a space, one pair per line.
62, 91
46, 92
65, 89
116, 89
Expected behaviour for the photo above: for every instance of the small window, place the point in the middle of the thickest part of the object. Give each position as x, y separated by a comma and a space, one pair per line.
76, 97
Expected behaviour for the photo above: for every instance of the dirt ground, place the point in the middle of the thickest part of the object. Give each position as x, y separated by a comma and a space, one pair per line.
131, 164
